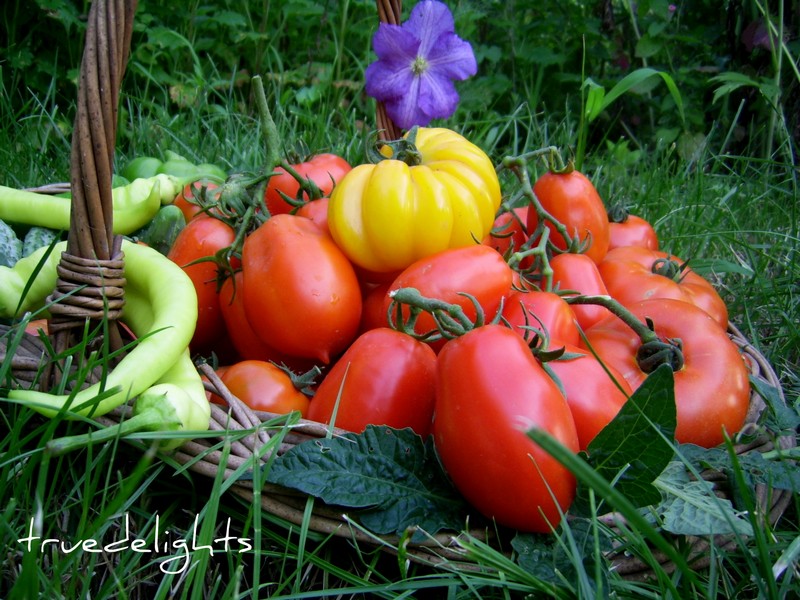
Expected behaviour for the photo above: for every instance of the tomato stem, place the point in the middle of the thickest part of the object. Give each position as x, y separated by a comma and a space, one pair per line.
618, 213
304, 382
450, 319
653, 354
654, 351
542, 265
548, 152
404, 149
669, 268
518, 165
306, 185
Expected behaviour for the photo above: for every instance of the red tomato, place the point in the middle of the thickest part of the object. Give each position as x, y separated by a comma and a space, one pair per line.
508, 230
712, 390
302, 296
34, 325
373, 314
594, 395
203, 238
384, 378
631, 274
632, 231
489, 391
578, 272
263, 386
245, 341
317, 211
187, 199
324, 170
543, 310
248, 345
476, 270
574, 202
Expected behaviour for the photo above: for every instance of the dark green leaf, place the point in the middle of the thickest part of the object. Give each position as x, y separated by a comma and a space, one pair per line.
391, 473
535, 553
690, 506
780, 417
231, 19
777, 474
648, 46
636, 446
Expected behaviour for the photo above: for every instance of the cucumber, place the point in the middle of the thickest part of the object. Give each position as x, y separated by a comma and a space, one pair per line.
160, 233
10, 246
38, 237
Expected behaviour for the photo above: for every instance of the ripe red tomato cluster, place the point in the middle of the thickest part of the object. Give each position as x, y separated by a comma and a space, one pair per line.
297, 300
622, 260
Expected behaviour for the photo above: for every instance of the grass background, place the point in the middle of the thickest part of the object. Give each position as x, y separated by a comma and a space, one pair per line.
720, 187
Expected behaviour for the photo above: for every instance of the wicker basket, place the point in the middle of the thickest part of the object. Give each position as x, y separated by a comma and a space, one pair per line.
243, 429
206, 457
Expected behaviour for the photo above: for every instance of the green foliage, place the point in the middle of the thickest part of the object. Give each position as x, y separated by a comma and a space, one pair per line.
690, 506
636, 446
545, 56
393, 474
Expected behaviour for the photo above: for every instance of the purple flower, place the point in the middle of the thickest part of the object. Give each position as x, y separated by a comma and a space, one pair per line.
417, 63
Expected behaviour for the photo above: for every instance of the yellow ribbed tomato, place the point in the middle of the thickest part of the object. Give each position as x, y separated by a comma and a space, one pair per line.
388, 215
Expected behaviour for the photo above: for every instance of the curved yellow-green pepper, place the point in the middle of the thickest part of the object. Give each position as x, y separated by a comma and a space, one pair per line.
387, 215
160, 308
134, 204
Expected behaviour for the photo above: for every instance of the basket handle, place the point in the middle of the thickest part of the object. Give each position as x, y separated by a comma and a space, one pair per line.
93, 261
390, 12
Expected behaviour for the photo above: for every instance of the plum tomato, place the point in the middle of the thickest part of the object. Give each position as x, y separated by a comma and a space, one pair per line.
712, 388
302, 296
573, 201
385, 377
489, 391
265, 387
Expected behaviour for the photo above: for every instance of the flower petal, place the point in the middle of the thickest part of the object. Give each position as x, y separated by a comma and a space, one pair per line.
452, 57
428, 21
405, 110
394, 42
438, 97
386, 79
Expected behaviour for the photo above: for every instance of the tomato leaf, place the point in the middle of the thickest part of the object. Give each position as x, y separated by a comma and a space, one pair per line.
636, 445
690, 506
777, 474
780, 417
392, 475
